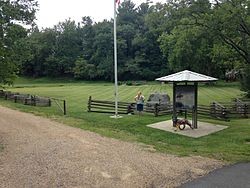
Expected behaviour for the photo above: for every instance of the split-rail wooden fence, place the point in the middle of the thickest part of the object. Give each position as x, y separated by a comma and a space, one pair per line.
33, 100
238, 108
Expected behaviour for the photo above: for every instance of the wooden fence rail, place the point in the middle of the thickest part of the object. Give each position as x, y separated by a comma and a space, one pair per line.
33, 100
125, 107
159, 109
109, 106
241, 107
237, 108
216, 110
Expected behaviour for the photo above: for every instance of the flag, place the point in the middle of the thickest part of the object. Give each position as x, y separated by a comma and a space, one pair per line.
117, 1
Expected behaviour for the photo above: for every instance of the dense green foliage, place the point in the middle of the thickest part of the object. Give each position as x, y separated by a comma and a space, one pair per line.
11, 14
231, 144
209, 37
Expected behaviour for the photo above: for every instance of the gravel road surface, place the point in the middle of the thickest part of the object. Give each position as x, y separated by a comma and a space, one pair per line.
41, 153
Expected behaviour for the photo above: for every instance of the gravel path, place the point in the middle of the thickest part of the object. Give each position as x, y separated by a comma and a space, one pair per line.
41, 153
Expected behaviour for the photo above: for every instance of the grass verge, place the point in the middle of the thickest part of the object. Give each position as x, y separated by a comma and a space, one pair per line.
231, 145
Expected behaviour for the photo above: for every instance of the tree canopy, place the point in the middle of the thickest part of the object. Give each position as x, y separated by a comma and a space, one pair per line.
209, 37
12, 14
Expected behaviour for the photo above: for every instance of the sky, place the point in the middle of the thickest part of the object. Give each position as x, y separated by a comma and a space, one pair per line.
51, 12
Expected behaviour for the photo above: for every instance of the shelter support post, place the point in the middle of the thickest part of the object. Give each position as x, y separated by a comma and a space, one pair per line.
195, 105
174, 106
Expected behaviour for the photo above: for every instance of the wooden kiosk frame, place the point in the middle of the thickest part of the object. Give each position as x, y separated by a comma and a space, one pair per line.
183, 78
195, 102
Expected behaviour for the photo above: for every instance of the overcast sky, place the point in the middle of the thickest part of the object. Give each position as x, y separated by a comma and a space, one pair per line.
53, 11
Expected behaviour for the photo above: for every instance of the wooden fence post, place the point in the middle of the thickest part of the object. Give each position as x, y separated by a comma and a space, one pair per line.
34, 100
212, 109
156, 110
245, 110
64, 107
224, 113
89, 104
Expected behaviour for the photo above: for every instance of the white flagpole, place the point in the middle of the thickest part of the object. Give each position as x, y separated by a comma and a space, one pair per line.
115, 64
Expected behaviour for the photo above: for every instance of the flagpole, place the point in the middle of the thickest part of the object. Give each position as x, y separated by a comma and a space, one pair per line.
115, 64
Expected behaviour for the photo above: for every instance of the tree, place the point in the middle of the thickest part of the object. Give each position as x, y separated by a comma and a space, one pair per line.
186, 45
69, 47
202, 35
37, 53
138, 49
227, 20
103, 49
203, 30
83, 70
87, 33
12, 13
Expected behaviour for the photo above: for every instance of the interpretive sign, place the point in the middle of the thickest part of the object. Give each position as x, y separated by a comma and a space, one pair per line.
184, 96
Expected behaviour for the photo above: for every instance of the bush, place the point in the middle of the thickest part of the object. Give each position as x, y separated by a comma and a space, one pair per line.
129, 83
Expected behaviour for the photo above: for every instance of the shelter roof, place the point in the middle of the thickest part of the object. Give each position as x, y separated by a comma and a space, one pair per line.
187, 76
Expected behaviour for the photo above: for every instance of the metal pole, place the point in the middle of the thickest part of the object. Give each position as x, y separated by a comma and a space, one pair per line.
115, 62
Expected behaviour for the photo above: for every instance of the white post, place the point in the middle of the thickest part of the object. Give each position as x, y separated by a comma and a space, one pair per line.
115, 65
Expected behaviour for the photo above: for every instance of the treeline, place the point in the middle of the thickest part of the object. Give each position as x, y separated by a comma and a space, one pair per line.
85, 50
209, 37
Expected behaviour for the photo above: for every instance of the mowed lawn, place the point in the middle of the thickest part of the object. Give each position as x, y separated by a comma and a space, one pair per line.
232, 144
77, 94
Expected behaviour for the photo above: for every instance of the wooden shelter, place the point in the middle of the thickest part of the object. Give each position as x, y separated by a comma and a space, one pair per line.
185, 91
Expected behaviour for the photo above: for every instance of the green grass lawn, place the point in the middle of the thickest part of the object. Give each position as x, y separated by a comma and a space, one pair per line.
230, 145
